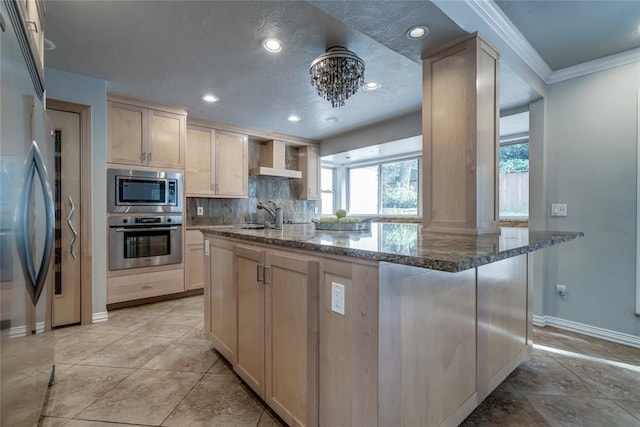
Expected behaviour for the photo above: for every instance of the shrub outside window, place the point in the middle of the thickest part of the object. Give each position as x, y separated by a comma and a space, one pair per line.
390, 188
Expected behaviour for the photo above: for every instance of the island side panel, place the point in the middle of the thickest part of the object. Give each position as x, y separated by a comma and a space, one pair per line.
349, 345
427, 340
220, 297
502, 321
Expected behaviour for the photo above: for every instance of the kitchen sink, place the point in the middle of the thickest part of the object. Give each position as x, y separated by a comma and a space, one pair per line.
251, 226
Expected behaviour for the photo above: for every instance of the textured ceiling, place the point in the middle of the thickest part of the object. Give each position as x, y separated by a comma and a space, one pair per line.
174, 51
567, 33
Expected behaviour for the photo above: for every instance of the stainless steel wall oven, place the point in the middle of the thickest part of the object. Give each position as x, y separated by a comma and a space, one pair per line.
144, 241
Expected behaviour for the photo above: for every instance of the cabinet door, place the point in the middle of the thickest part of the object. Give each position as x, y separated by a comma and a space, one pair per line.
168, 133
251, 328
194, 260
220, 297
198, 179
231, 164
33, 13
309, 163
292, 337
127, 133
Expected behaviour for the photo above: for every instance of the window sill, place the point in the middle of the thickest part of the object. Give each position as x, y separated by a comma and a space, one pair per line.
514, 223
401, 219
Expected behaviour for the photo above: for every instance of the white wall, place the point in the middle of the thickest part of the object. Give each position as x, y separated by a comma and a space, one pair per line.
590, 164
537, 193
402, 127
78, 89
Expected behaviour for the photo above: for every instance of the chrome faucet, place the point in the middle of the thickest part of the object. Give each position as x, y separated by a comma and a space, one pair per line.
275, 212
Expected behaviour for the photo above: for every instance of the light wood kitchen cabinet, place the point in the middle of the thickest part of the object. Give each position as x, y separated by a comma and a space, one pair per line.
145, 285
277, 353
249, 273
309, 164
291, 314
33, 16
194, 260
216, 163
144, 136
220, 296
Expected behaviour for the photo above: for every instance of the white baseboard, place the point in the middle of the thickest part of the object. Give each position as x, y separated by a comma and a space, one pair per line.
17, 331
592, 331
100, 317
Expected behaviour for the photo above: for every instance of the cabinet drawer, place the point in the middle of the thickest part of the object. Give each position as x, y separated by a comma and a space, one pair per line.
138, 286
193, 237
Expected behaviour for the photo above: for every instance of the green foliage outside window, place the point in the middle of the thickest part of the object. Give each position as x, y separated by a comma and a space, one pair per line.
514, 158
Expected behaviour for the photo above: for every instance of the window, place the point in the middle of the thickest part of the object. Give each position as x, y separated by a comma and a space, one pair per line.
327, 192
514, 180
363, 190
389, 188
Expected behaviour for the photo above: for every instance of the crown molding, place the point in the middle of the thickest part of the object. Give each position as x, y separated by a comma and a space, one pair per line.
595, 65
495, 18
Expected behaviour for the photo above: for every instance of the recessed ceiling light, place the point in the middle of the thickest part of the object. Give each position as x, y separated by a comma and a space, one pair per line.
49, 45
636, 30
417, 32
332, 119
293, 118
371, 86
210, 98
272, 44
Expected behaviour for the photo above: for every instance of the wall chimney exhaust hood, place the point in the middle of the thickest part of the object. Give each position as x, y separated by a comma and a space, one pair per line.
273, 162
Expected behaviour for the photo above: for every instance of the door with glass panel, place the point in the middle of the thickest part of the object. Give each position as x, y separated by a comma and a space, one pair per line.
67, 201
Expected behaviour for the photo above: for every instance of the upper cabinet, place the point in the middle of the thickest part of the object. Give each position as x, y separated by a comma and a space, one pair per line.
145, 134
309, 164
216, 163
33, 15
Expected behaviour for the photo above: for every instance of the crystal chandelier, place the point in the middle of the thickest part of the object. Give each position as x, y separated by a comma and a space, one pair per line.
337, 74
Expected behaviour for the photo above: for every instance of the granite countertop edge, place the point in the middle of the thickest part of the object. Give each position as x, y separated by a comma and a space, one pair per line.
464, 263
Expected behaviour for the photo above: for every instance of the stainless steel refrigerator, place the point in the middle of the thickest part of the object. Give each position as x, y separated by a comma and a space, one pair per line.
26, 228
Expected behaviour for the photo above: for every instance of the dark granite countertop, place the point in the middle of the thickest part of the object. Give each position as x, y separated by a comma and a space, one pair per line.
404, 243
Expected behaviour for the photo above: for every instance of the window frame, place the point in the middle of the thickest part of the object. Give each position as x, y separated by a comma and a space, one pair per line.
379, 164
334, 183
516, 140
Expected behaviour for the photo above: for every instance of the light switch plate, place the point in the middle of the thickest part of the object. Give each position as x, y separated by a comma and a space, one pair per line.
206, 248
337, 298
559, 209
200, 210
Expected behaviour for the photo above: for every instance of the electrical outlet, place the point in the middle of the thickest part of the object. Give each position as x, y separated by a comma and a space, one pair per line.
206, 248
337, 298
561, 290
315, 209
559, 209
200, 210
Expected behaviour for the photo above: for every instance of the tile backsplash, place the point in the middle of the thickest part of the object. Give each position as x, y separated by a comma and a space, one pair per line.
283, 191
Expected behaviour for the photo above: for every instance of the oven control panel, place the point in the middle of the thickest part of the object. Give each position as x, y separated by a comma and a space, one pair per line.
144, 220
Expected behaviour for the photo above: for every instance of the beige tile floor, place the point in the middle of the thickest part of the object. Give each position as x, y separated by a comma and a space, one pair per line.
152, 366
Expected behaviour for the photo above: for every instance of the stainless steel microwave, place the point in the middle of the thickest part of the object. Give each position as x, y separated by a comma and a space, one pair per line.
144, 191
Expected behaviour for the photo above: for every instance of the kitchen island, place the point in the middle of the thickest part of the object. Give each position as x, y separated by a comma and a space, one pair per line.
390, 327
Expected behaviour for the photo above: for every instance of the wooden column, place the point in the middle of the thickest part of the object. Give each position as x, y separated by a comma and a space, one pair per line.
460, 117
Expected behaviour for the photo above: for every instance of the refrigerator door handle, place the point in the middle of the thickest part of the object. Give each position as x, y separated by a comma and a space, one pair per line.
35, 282
72, 228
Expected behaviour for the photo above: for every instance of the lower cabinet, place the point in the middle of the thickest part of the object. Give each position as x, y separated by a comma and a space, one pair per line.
269, 298
193, 260
220, 296
145, 285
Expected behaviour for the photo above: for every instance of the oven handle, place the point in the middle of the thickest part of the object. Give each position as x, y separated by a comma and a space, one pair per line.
122, 230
